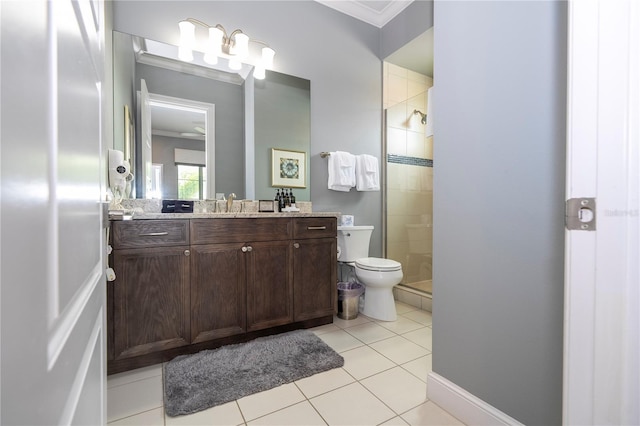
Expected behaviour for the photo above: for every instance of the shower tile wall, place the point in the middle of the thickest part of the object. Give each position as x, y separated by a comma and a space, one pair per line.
409, 174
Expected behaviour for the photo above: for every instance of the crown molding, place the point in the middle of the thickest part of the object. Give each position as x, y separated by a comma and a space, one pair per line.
361, 10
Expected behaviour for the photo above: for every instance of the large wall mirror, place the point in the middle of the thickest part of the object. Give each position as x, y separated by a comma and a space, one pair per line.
194, 131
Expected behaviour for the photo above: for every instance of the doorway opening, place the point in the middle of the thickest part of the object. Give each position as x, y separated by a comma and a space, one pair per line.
408, 162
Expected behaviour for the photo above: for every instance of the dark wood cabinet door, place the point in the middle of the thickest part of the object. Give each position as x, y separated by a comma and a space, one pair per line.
150, 300
218, 300
269, 284
314, 271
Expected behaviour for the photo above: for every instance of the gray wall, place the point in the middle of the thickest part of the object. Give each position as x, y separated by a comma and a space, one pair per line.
281, 102
499, 79
337, 53
414, 20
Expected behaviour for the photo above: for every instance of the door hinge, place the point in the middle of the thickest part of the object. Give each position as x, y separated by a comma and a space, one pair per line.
580, 214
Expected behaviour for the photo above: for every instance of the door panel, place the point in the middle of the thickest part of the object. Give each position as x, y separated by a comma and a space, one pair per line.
53, 292
269, 284
218, 301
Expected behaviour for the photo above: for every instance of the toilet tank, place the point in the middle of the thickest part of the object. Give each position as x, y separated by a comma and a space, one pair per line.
353, 242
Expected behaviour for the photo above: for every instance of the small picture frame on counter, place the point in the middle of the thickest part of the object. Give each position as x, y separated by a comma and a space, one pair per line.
266, 206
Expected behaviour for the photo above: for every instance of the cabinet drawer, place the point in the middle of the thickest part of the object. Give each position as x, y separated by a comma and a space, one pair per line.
150, 233
315, 227
214, 231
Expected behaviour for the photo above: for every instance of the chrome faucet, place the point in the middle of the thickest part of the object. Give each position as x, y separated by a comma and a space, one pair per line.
230, 199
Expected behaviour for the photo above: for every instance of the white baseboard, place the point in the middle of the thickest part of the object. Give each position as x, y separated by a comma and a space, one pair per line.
463, 405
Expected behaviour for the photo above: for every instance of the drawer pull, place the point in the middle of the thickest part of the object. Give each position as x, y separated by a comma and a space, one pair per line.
187, 253
316, 228
154, 234
296, 245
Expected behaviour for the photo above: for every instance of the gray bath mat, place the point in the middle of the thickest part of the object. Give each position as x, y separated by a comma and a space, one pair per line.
196, 382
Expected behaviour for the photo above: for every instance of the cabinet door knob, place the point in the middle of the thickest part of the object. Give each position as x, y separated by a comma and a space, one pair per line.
296, 245
249, 248
244, 249
187, 253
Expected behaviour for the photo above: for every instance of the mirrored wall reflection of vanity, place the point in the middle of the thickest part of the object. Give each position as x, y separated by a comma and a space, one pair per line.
251, 118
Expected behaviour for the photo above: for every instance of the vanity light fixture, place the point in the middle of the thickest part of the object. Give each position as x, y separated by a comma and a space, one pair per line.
234, 47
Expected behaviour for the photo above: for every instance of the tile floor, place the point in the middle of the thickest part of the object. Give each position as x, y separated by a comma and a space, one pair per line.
383, 382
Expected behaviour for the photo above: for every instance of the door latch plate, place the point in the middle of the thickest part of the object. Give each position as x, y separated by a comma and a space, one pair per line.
580, 214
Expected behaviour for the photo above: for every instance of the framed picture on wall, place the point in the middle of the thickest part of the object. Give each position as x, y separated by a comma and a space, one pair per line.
288, 168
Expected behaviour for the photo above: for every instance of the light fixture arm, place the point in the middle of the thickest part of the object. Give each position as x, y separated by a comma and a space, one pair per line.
228, 40
235, 46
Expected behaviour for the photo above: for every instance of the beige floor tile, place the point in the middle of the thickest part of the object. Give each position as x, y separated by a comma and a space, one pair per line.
134, 398
402, 308
340, 341
351, 405
327, 328
429, 414
420, 367
398, 389
364, 362
360, 319
324, 382
399, 350
262, 403
148, 418
401, 325
396, 421
134, 375
225, 414
421, 336
423, 317
296, 415
369, 332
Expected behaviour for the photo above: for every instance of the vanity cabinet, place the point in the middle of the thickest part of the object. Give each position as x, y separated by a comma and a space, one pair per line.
218, 306
185, 285
261, 253
314, 267
149, 300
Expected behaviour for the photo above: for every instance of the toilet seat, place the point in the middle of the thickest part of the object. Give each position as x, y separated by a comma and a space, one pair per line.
378, 264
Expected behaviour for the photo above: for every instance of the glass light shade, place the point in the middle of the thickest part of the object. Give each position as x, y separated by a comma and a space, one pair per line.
267, 57
214, 47
259, 72
187, 40
241, 46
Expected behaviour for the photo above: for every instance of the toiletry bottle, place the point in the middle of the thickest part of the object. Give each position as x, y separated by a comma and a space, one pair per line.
292, 198
281, 205
277, 200
287, 200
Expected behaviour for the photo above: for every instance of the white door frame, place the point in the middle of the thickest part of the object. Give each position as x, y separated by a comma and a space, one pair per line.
602, 320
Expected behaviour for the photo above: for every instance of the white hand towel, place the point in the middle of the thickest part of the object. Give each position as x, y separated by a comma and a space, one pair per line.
367, 173
342, 171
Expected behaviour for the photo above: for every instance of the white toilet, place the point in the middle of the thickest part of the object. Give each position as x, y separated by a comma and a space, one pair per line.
378, 275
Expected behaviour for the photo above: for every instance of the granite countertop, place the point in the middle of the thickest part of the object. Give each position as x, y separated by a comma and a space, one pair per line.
140, 209
250, 215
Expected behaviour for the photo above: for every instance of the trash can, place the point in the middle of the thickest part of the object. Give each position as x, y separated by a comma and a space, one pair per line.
348, 297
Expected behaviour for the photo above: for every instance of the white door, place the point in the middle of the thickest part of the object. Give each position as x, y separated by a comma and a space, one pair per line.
602, 296
52, 237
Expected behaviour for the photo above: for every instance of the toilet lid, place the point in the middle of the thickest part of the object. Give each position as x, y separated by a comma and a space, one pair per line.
378, 264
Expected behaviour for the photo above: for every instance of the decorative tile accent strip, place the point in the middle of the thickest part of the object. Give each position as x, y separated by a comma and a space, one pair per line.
410, 161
